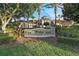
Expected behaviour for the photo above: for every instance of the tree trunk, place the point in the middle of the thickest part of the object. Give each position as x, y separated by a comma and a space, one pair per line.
4, 28
55, 12
4, 23
27, 22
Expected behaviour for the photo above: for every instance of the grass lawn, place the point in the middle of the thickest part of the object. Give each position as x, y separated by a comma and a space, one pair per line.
37, 48
63, 47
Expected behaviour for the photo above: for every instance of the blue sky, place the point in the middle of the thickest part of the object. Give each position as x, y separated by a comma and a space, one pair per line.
48, 12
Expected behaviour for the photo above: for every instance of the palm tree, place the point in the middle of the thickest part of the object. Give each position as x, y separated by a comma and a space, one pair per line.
55, 6
39, 6
28, 10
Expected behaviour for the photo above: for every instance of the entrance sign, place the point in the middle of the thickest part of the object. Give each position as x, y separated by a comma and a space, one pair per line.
40, 32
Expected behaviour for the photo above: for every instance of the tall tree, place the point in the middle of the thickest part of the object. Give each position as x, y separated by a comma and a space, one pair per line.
71, 11
7, 11
39, 7
54, 5
28, 10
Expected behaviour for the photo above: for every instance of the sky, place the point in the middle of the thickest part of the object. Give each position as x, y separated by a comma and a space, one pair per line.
48, 12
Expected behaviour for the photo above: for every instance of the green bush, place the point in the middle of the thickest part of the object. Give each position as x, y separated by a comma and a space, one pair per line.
72, 31
5, 38
11, 32
69, 41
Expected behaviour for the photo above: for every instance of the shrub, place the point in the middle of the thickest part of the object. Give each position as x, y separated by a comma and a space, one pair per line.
69, 41
5, 38
68, 32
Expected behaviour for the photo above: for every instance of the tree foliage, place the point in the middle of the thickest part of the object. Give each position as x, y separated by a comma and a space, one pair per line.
8, 11
71, 11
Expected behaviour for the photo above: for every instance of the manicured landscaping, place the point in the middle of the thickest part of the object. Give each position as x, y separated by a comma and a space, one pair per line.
72, 32
26, 31
39, 48
69, 35
5, 38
